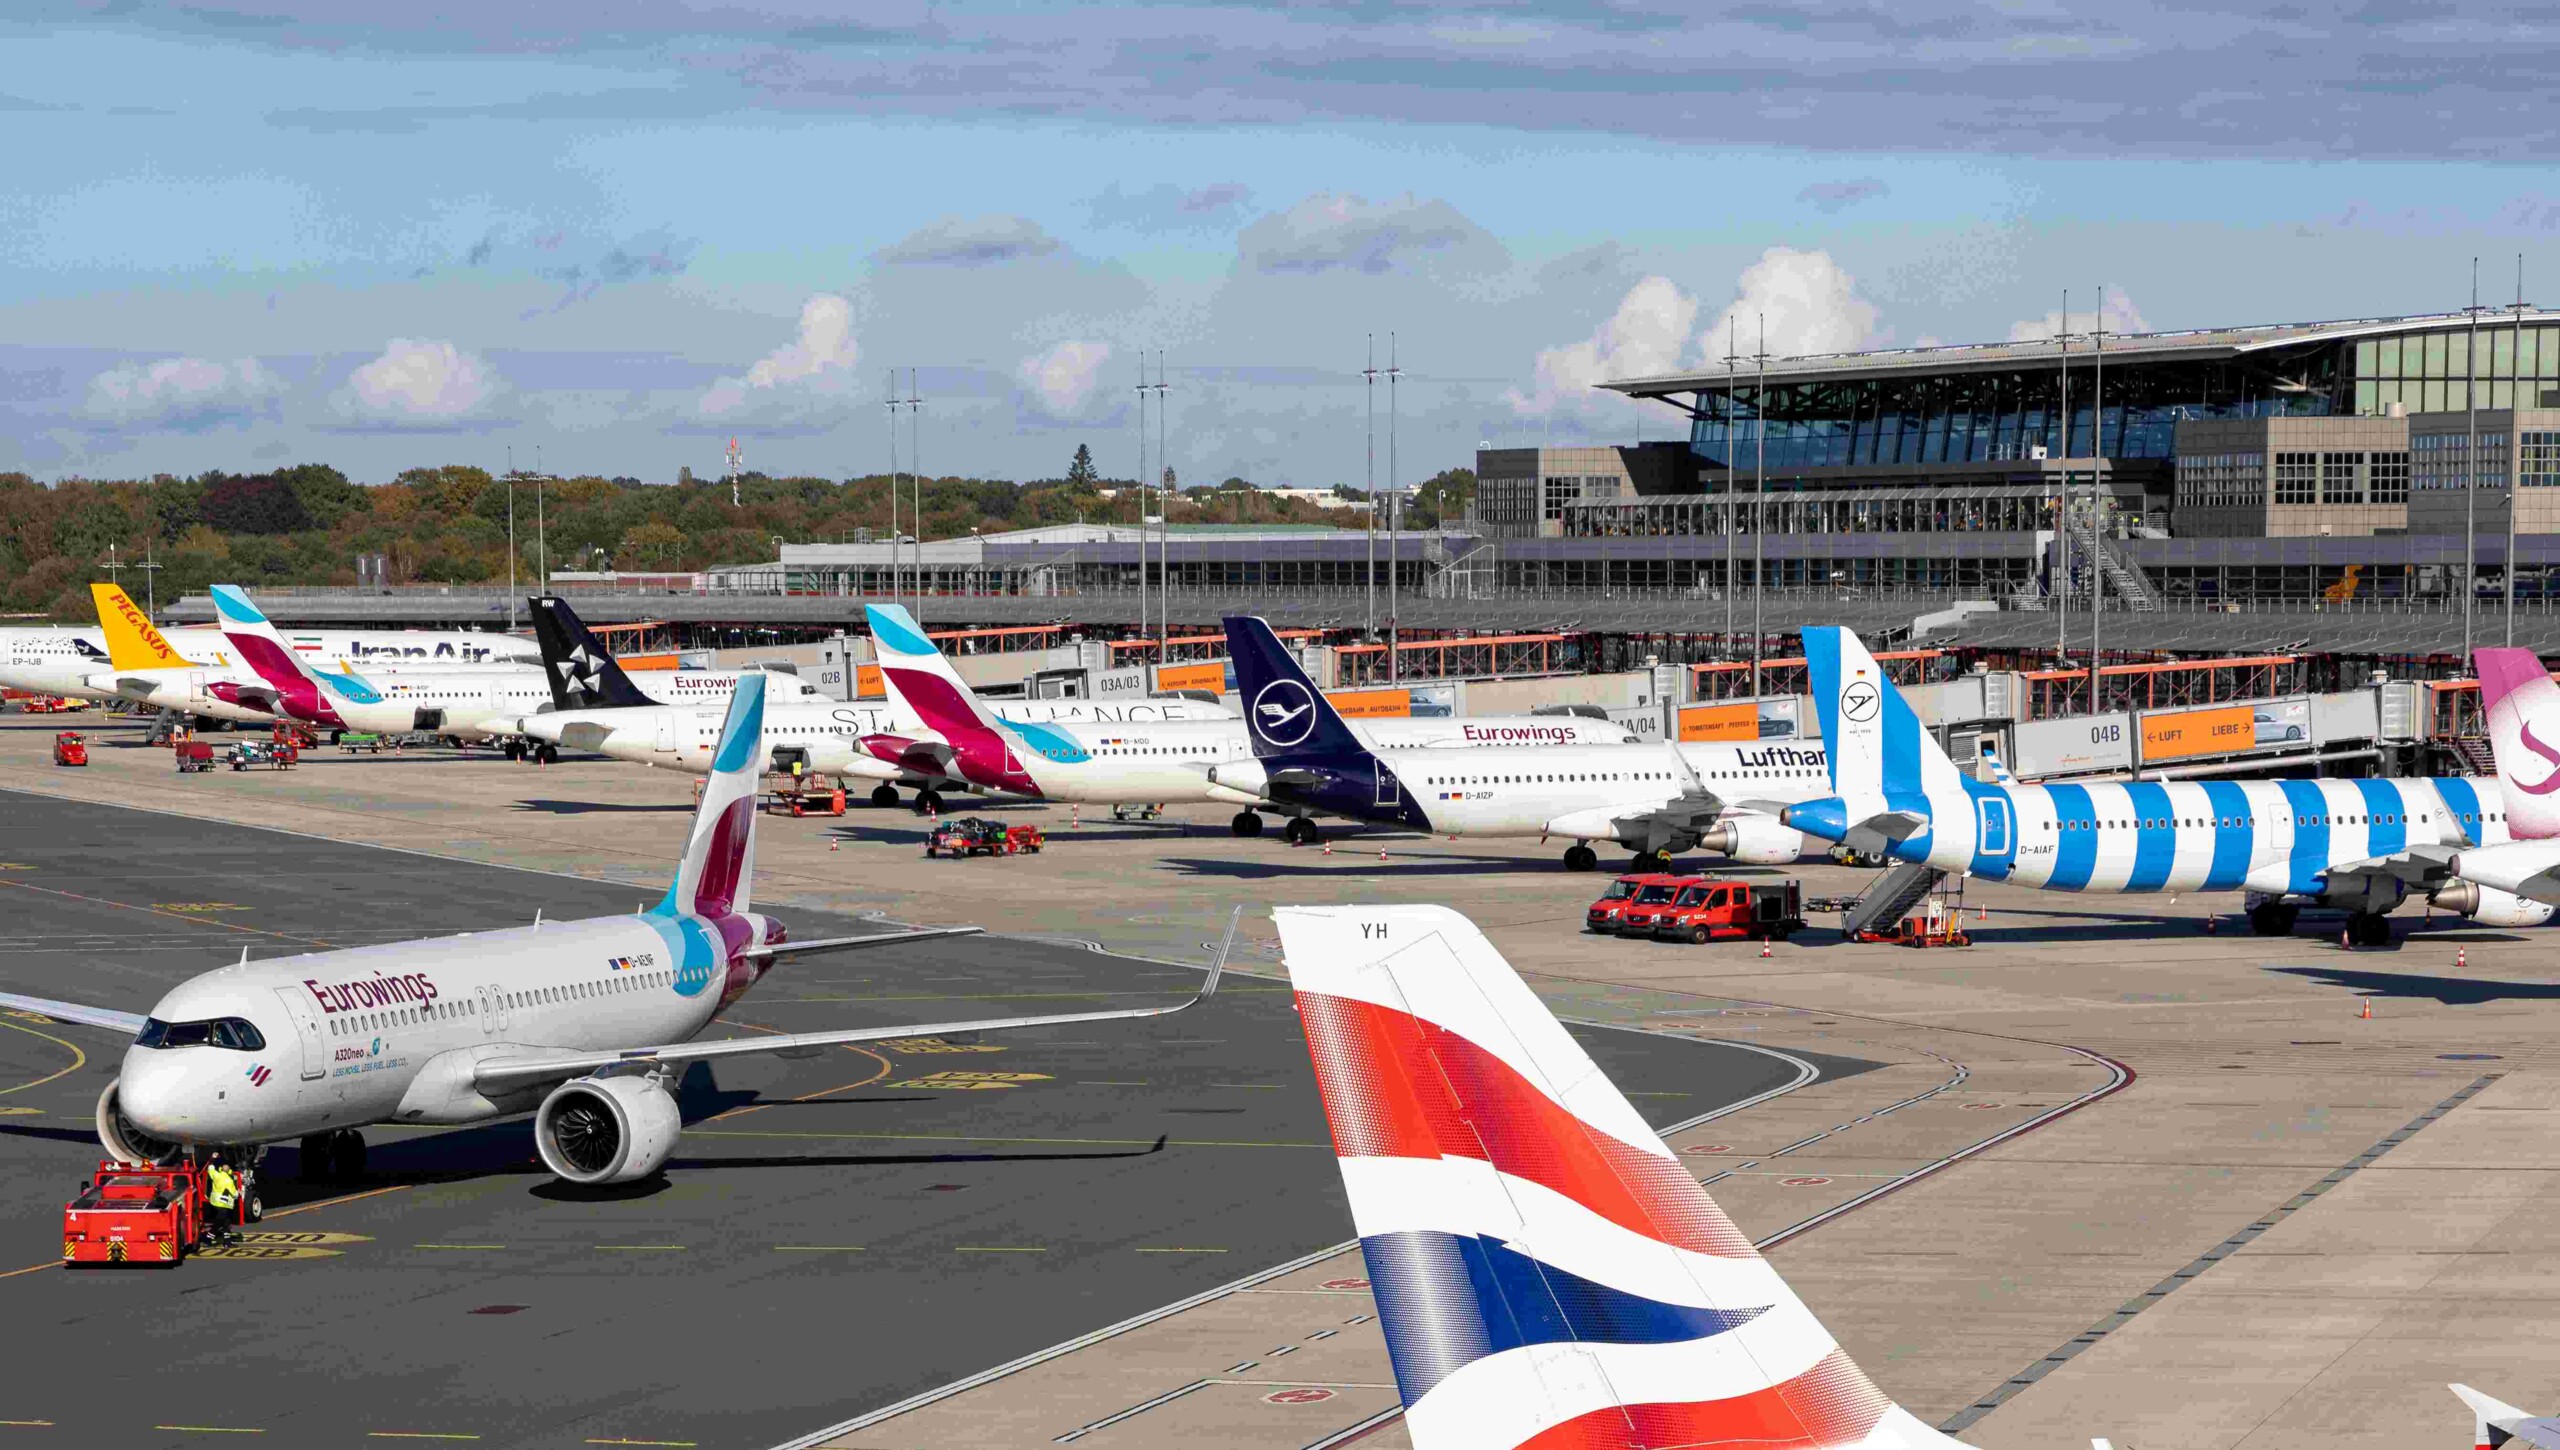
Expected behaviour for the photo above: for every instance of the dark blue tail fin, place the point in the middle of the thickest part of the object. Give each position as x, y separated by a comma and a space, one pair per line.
584, 674
1284, 712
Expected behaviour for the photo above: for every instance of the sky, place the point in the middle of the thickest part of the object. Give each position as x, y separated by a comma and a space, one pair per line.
609, 238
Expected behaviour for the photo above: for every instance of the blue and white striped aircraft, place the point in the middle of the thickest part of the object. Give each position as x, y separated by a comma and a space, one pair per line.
2361, 846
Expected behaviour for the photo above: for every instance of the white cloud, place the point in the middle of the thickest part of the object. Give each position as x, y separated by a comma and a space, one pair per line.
1338, 231
181, 393
1808, 301
2120, 315
1064, 377
788, 386
419, 383
973, 242
1643, 336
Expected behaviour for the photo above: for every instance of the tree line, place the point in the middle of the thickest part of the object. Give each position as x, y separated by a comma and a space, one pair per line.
307, 524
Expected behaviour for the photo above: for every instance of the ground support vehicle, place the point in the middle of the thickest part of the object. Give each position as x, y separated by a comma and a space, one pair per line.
295, 734
799, 798
193, 755
263, 753
1932, 928
1135, 812
54, 705
979, 836
1708, 910
355, 741
1604, 913
70, 747
136, 1213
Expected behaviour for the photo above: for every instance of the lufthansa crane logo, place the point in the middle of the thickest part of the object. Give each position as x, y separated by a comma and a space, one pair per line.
1858, 702
1284, 712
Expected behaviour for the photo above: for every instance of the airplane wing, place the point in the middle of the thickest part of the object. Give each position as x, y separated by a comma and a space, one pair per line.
2420, 866
113, 1021
503, 1073
2498, 1423
849, 943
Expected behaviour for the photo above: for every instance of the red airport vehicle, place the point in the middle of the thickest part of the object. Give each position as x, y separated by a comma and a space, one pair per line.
295, 735
978, 836
799, 800
135, 1213
1706, 909
193, 755
54, 705
1926, 929
247, 753
70, 747
1604, 913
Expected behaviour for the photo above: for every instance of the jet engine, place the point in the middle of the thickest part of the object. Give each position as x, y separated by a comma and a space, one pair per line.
1759, 840
2488, 905
1247, 777
606, 1129
124, 1142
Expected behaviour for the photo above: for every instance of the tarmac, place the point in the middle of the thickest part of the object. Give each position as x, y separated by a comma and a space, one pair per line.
2110, 1173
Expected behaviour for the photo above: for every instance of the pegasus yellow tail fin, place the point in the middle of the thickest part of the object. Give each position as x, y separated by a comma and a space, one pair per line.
132, 642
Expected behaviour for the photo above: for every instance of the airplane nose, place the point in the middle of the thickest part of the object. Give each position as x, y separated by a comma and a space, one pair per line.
151, 1093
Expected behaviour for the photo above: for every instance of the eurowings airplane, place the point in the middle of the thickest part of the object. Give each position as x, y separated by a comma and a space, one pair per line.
1547, 1272
2363, 846
2523, 709
619, 719
583, 1024
963, 739
1655, 799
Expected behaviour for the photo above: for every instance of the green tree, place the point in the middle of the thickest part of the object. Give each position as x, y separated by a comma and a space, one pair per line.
326, 494
1080, 473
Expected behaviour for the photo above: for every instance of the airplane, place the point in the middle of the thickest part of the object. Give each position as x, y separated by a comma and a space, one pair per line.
1547, 1272
2523, 710
581, 1023
2494, 1422
823, 736
62, 661
1655, 799
978, 747
2362, 845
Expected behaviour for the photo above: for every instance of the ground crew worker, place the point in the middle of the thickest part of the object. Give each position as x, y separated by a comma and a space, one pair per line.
222, 1191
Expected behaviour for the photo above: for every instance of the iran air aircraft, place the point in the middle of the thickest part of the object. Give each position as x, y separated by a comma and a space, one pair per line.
459, 704
613, 716
1548, 1273
2360, 846
963, 740
583, 1024
1654, 799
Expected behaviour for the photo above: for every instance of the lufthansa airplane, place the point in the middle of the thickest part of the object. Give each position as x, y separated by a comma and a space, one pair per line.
1655, 799
964, 740
2363, 846
583, 1024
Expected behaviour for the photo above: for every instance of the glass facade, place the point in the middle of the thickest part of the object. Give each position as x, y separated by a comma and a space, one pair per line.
2541, 459
2434, 372
2438, 458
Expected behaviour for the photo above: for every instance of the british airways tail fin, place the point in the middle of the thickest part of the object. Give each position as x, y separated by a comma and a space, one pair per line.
922, 685
1284, 712
2523, 708
1546, 1271
718, 867
583, 672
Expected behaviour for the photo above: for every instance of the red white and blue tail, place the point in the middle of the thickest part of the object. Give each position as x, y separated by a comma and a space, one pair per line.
1546, 1272
718, 869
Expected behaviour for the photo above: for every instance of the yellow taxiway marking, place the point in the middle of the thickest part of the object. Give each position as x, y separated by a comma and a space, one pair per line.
172, 915
998, 1249
959, 1138
31, 1423
334, 1202
79, 1059
31, 1268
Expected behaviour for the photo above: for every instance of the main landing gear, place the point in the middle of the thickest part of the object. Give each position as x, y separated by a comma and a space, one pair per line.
1246, 823
2366, 929
928, 802
338, 1155
1300, 832
1578, 857
1647, 863
885, 796
2275, 918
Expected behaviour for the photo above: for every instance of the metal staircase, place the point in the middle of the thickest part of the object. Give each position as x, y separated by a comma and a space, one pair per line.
1895, 892
2128, 581
2475, 755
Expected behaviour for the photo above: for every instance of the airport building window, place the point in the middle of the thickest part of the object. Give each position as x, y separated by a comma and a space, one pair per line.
2541, 459
2295, 475
2389, 478
2338, 478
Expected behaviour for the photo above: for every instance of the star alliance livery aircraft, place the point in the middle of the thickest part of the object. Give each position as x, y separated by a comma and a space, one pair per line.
1547, 1273
2363, 846
583, 1024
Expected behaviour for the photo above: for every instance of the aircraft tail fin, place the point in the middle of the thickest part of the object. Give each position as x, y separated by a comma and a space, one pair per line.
1876, 745
921, 683
583, 673
132, 642
2523, 710
1546, 1271
1284, 712
717, 871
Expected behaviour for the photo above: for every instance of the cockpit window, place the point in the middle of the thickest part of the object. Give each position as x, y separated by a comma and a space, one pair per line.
238, 1034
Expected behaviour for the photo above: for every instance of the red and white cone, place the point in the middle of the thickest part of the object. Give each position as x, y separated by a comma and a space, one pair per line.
2367, 1014
1382, 853
1328, 848
1764, 951
2461, 958
834, 844
2346, 940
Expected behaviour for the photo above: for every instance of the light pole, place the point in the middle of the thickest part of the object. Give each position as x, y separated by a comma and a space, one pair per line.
113, 566
1394, 499
1164, 512
2098, 494
2515, 443
511, 546
2062, 521
1759, 498
1731, 349
1369, 380
2471, 468
894, 552
915, 471
541, 537
1145, 491
150, 582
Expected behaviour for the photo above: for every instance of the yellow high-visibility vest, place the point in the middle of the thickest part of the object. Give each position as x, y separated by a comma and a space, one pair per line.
223, 1189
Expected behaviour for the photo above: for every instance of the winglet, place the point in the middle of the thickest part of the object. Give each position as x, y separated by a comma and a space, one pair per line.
2493, 1420
1210, 987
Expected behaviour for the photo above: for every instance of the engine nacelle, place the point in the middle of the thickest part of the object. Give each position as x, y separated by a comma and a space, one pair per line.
1247, 777
1759, 840
606, 1129
2369, 893
124, 1142
2488, 905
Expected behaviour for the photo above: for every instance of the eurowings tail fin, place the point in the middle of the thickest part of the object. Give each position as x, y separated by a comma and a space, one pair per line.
1546, 1271
717, 871
2523, 708
584, 674
132, 642
922, 685
1284, 712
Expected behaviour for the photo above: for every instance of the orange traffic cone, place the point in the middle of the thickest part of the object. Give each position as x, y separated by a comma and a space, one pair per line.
1075, 816
2346, 940
2367, 1014
834, 844
1382, 853
1764, 951
2461, 958
1981, 914
1328, 848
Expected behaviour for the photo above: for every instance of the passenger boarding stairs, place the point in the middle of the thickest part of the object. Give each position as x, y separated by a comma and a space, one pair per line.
2474, 753
2130, 586
1894, 893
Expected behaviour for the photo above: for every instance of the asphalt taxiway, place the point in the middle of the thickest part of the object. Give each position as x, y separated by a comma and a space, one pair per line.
832, 1233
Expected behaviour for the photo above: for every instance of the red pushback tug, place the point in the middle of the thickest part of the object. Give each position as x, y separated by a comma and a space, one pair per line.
135, 1213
